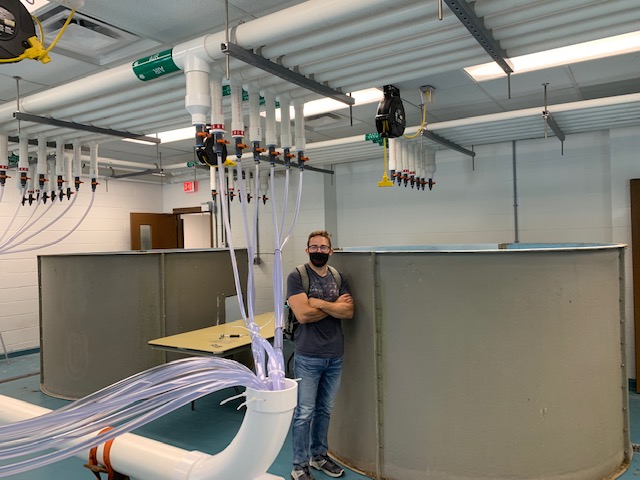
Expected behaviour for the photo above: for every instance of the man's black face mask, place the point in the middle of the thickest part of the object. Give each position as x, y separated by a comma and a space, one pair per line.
319, 259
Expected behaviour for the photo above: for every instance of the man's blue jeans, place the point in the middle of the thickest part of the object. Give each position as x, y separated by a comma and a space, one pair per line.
317, 390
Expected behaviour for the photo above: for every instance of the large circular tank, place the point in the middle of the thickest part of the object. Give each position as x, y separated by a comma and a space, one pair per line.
484, 362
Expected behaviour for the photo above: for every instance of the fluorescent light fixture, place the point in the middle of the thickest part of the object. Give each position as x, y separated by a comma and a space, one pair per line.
324, 105
168, 136
580, 52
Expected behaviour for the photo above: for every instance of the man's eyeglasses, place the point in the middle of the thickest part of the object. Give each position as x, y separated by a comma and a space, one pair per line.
319, 248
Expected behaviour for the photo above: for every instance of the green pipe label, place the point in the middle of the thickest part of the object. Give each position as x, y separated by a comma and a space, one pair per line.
154, 66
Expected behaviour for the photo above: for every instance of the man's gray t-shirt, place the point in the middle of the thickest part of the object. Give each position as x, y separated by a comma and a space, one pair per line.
322, 338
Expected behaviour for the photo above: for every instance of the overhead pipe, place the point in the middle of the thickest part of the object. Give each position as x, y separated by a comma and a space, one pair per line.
342, 29
416, 29
247, 457
188, 56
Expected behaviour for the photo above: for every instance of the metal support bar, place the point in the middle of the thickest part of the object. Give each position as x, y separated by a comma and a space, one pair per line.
554, 126
443, 141
268, 66
87, 128
149, 171
475, 25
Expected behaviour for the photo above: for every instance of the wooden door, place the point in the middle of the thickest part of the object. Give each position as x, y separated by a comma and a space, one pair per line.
155, 230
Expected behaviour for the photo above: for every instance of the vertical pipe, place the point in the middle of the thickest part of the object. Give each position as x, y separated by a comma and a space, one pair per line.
23, 162
270, 107
77, 163
392, 156
515, 194
255, 130
217, 113
4, 158
60, 165
298, 107
42, 164
197, 99
237, 122
285, 122
93, 165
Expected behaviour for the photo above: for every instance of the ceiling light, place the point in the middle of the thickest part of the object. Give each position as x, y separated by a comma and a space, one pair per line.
324, 105
605, 47
168, 136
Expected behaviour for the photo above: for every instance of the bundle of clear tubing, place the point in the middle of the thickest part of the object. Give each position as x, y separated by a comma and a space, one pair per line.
146, 396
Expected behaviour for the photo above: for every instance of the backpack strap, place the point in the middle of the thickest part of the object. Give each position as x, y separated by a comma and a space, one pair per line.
336, 276
304, 276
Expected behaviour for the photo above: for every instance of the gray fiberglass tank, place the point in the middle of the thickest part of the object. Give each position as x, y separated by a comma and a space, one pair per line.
484, 362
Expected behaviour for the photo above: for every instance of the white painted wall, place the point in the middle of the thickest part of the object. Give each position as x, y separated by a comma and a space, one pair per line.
581, 196
106, 228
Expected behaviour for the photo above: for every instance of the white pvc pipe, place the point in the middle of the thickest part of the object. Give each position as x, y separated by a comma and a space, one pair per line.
413, 150
255, 129
430, 163
93, 160
270, 124
4, 151
217, 112
23, 160
301, 142
302, 18
42, 155
198, 98
393, 154
248, 456
285, 122
77, 159
59, 159
237, 117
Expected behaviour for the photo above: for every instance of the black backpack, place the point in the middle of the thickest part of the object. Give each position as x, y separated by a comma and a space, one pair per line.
291, 324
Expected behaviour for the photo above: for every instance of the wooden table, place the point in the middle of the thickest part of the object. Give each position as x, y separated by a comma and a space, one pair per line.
220, 340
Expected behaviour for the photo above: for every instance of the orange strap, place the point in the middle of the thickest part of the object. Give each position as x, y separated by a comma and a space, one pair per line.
93, 460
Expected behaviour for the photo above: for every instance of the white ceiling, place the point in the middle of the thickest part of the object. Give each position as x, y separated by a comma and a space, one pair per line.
404, 45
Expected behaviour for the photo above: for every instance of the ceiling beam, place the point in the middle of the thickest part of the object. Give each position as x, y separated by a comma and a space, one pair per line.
483, 36
27, 117
446, 143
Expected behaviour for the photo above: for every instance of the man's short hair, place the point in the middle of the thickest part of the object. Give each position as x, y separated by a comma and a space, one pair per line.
319, 233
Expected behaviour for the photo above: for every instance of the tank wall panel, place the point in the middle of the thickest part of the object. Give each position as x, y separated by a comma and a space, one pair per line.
495, 365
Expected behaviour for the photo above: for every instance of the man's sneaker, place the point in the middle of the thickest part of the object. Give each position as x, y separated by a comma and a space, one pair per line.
301, 473
326, 465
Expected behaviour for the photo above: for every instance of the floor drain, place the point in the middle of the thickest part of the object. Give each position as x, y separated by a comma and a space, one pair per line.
636, 447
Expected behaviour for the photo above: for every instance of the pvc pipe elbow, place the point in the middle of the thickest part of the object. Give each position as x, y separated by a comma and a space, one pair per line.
258, 441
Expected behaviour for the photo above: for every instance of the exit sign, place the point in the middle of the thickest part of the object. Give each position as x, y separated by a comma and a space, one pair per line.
190, 187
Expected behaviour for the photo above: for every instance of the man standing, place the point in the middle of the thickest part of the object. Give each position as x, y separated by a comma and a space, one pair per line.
319, 346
